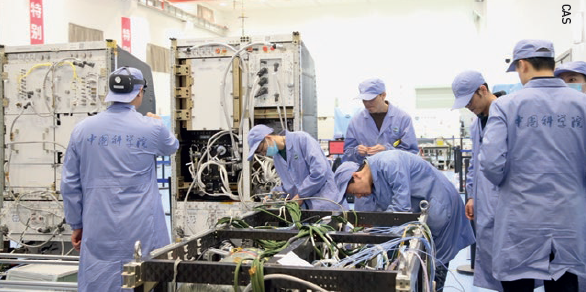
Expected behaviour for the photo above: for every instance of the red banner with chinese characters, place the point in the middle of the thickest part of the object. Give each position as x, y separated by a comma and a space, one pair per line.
36, 17
126, 34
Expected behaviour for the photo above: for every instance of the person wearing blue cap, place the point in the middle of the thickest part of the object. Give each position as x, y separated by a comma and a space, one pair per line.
573, 73
534, 148
109, 184
471, 91
399, 180
302, 166
379, 127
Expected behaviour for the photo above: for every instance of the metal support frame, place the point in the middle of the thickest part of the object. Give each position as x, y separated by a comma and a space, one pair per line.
408, 269
180, 262
37, 285
3, 76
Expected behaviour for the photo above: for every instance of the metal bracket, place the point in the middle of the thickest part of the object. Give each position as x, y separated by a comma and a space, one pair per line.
183, 115
182, 70
409, 265
131, 275
182, 92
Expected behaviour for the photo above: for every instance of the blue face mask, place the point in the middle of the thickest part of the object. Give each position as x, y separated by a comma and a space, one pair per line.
577, 86
272, 150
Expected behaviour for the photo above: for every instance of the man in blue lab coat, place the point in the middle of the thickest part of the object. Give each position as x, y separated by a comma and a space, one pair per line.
379, 127
471, 91
399, 180
109, 184
534, 149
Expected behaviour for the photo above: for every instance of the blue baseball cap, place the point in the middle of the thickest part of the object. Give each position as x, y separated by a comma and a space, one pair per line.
255, 136
126, 97
343, 175
575, 67
531, 48
464, 86
370, 88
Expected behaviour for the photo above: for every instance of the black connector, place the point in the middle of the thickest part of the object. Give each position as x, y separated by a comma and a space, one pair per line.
276, 97
261, 92
263, 81
276, 65
262, 72
500, 93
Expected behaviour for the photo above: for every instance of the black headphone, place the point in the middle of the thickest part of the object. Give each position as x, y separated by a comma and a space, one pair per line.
122, 83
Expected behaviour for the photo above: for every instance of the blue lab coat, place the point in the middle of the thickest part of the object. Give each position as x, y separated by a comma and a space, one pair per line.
485, 197
307, 172
362, 130
402, 180
109, 188
534, 149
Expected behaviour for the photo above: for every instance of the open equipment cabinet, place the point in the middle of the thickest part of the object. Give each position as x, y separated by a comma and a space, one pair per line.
220, 88
45, 91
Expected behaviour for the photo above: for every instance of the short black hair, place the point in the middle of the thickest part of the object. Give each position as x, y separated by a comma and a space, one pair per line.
351, 181
540, 63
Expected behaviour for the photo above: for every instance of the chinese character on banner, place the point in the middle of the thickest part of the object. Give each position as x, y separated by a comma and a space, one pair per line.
36, 22
126, 34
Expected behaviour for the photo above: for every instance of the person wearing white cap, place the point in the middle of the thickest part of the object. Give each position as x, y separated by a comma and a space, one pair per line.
399, 180
109, 184
471, 91
379, 127
534, 148
573, 73
302, 166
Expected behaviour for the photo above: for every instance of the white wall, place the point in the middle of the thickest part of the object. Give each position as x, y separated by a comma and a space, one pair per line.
148, 26
412, 43
403, 42
507, 22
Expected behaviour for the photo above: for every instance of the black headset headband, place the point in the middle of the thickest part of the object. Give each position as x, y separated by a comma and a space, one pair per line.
122, 83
